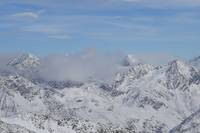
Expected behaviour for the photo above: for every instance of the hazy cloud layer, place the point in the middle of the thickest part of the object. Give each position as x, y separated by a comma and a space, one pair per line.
80, 67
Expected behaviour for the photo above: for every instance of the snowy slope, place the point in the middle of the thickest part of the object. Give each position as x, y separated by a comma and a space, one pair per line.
11, 128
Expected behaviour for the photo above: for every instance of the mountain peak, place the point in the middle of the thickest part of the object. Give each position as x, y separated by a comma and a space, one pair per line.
178, 66
25, 61
178, 62
178, 75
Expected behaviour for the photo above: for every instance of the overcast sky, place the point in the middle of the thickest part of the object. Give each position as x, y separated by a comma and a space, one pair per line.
145, 27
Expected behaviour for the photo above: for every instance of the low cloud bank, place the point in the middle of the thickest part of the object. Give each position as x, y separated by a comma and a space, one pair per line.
87, 65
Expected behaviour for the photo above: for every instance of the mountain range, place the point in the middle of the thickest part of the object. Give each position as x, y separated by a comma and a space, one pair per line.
142, 98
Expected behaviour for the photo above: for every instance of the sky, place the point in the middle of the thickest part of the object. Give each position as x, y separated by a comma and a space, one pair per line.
143, 27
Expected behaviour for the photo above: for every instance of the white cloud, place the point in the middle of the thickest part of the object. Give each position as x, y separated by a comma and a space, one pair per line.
27, 15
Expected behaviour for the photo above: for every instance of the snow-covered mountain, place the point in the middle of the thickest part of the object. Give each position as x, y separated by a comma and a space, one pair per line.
142, 98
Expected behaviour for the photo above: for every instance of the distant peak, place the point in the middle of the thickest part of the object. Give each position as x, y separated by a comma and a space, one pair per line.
195, 62
28, 55
24, 61
196, 59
